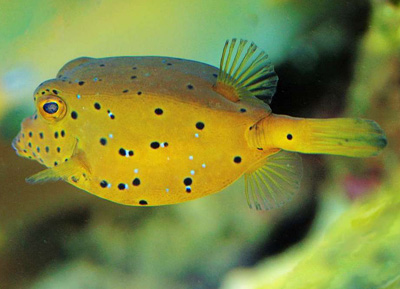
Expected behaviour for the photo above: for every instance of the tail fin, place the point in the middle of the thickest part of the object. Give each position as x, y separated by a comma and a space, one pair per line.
340, 136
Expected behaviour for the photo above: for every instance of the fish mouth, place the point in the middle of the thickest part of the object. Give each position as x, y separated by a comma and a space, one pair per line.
15, 144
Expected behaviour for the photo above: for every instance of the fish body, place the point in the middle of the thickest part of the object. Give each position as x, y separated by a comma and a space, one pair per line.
159, 130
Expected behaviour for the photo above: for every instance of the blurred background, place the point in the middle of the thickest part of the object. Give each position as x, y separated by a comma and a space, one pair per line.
333, 58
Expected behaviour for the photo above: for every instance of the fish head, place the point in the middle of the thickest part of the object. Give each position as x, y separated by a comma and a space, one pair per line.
43, 136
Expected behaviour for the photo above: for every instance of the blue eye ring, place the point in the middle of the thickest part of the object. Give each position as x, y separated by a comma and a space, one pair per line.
50, 107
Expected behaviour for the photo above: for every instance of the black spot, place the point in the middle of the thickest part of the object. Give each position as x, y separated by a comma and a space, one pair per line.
260, 149
200, 125
81, 82
133, 77
122, 152
165, 144
158, 111
38, 149
74, 115
47, 149
190, 86
103, 141
35, 117
134, 67
125, 91
103, 184
169, 63
139, 92
102, 65
34, 154
30, 134
237, 159
242, 110
155, 145
58, 149
55, 91
289, 136
121, 186
23, 135
97, 106
62, 133
130, 153
136, 182
188, 190
29, 144
55, 164
187, 181
112, 116
215, 75
43, 92
143, 202
56, 134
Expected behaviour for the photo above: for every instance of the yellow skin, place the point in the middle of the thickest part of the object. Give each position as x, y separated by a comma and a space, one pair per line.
153, 130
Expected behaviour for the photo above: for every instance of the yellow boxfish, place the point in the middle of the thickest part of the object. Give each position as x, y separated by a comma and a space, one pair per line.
158, 130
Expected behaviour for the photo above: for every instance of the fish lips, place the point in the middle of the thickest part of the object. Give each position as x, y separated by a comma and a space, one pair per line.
16, 144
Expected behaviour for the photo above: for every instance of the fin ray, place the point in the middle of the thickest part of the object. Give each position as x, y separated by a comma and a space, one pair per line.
275, 181
75, 168
241, 72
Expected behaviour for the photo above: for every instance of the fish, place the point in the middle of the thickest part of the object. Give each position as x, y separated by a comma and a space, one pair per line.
153, 130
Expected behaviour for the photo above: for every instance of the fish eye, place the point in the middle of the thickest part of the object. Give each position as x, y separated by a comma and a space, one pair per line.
51, 107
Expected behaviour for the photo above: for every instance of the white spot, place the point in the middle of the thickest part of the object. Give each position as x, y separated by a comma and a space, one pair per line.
147, 74
110, 135
95, 79
196, 135
135, 171
162, 145
190, 157
108, 185
168, 158
203, 165
192, 172
126, 187
78, 96
188, 188
167, 190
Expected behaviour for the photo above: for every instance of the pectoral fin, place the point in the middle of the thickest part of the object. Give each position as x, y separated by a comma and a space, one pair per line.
74, 169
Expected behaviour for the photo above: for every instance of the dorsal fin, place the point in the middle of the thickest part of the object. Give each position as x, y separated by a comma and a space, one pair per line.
242, 73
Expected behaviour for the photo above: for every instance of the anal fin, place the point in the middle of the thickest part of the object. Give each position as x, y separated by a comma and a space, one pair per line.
274, 182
